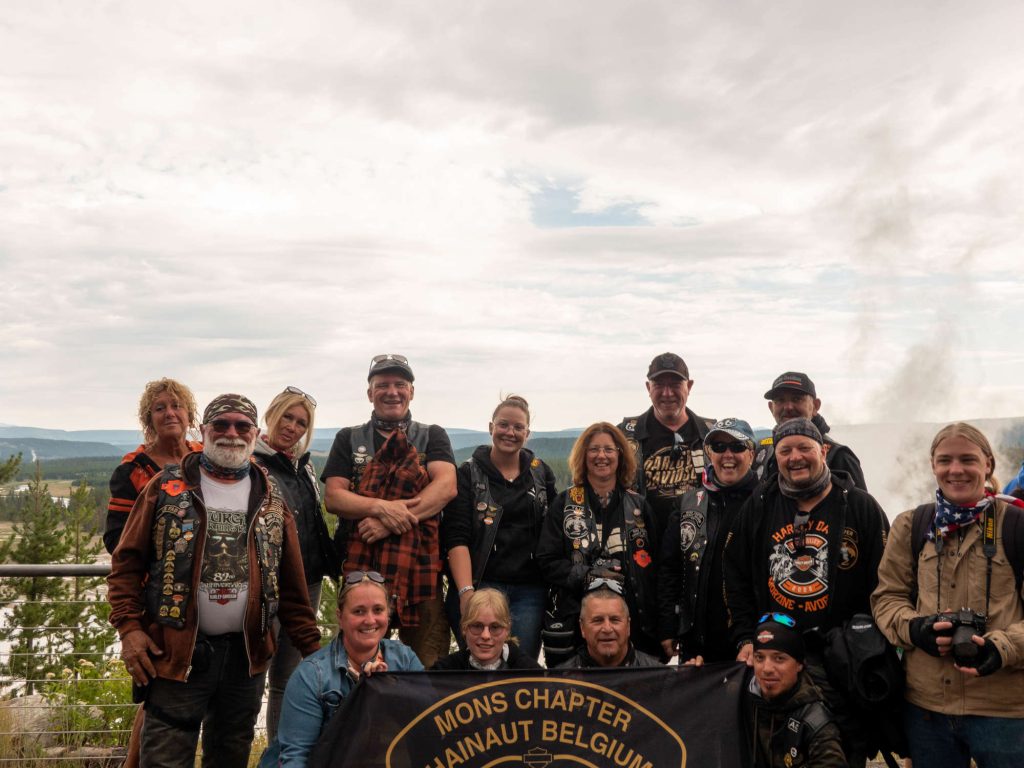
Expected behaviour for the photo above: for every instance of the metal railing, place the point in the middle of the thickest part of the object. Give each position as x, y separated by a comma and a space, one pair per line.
65, 697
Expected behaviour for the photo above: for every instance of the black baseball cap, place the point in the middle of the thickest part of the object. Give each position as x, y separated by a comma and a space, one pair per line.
667, 362
794, 381
391, 363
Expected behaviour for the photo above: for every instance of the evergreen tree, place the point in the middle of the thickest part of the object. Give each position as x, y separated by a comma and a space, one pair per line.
52, 620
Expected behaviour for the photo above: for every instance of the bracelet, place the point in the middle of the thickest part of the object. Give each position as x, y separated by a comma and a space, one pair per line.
466, 589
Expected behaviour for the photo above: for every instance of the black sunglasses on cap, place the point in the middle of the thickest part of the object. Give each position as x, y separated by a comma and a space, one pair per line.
395, 358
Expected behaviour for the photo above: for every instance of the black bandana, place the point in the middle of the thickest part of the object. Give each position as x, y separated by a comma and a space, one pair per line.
809, 491
222, 473
390, 426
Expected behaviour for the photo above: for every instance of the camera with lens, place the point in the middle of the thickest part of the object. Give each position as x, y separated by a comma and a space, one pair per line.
966, 623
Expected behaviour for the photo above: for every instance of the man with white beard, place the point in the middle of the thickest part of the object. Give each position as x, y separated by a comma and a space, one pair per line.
209, 557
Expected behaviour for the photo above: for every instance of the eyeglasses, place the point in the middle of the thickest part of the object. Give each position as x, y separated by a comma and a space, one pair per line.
297, 391
518, 429
478, 627
779, 618
382, 358
354, 577
241, 427
719, 447
612, 584
602, 450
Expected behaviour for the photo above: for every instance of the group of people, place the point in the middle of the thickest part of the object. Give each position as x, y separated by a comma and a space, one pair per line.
678, 537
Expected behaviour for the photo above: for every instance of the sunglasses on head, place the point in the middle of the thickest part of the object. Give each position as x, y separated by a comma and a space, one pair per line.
297, 391
241, 427
396, 358
779, 618
733, 447
354, 577
612, 584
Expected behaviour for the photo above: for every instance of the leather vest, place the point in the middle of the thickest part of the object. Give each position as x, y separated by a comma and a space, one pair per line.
693, 544
487, 514
179, 529
580, 526
362, 447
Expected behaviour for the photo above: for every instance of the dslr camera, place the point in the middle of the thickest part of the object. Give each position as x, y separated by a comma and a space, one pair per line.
965, 624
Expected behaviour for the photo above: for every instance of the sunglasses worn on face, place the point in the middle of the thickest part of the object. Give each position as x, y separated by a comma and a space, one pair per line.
241, 427
354, 577
297, 391
720, 447
779, 618
478, 627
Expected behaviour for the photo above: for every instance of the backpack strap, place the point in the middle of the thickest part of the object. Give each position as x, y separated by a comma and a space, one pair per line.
1013, 541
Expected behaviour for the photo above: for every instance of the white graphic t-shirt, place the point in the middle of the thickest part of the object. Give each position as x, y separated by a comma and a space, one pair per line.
224, 582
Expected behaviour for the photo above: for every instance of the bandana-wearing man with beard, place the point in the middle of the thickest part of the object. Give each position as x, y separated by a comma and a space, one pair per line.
808, 545
388, 480
208, 558
693, 621
793, 396
668, 438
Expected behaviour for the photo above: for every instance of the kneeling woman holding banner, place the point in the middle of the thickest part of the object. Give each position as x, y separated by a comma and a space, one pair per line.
323, 679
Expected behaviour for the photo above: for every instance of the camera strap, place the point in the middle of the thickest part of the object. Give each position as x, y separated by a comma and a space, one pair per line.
988, 530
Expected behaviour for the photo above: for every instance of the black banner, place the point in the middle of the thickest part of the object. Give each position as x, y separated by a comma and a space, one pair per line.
667, 717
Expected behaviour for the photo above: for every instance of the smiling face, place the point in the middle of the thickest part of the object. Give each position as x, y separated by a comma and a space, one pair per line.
801, 460
390, 395
604, 622
227, 448
363, 619
776, 672
961, 469
509, 429
168, 417
290, 428
669, 393
486, 635
790, 404
602, 458
732, 465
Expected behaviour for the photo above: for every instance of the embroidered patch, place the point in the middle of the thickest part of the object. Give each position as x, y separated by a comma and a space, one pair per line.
576, 494
173, 487
574, 527
535, 463
642, 558
848, 551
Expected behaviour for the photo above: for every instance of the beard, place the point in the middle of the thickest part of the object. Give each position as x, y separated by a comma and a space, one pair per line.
228, 453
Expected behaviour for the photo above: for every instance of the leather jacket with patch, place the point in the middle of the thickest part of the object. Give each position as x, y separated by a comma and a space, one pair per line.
142, 548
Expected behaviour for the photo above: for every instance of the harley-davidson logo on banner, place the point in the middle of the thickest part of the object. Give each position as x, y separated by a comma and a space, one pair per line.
666, 717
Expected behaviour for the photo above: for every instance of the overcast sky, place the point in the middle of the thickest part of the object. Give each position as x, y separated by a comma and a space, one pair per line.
522, 197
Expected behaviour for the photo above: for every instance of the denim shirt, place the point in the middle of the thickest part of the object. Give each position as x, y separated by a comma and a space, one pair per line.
314, 693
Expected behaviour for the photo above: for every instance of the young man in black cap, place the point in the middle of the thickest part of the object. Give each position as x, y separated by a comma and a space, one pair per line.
790, 725
807, 543
668, 438
793, 396
389, 478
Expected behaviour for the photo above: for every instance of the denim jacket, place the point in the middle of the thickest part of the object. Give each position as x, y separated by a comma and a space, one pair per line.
315, 691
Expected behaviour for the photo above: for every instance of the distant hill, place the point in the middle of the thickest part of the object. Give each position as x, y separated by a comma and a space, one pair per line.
32, 448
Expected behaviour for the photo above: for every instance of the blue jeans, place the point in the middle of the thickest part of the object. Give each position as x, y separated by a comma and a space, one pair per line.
525, 601
222, 697
286, 659
950, 741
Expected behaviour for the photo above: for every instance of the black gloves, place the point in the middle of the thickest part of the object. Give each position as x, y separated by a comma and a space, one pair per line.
987, 661
923, 634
